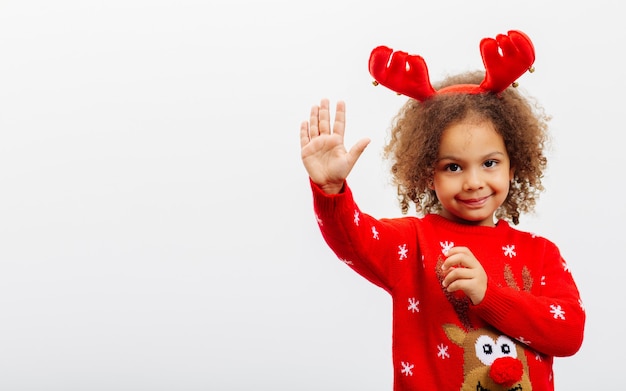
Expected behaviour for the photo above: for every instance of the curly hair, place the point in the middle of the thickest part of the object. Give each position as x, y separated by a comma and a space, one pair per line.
416, 133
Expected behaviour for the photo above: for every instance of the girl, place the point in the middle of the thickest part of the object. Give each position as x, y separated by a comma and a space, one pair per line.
477, 304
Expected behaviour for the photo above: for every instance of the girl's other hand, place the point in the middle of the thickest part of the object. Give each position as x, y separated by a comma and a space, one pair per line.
463, 272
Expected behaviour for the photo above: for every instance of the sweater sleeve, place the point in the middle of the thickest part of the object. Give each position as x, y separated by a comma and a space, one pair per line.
373, 248
550, 319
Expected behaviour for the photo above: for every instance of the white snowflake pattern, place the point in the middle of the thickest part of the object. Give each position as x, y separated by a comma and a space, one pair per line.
319, 220
446, 246
442, 351
565, 266
402, 251
375, 233
407, 368
523, 340
538, 357
543, 281
346, 261
509, 251
413, 305
357, 218
557, 311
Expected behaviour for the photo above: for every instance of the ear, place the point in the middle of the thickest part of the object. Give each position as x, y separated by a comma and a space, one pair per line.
431, 183
511, 174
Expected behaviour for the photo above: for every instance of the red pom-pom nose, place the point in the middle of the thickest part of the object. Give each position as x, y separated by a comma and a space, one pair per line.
506, 371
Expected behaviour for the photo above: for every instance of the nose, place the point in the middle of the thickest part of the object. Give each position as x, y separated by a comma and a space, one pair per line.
472, 180
506, 371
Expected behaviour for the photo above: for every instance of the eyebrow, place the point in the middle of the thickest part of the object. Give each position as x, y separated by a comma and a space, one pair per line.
487, 156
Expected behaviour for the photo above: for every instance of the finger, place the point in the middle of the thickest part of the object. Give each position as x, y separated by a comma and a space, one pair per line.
452, 261
454, 279
324, 117
314, 122
357, 149
456, 257
339, 126
304, 134
462, 273
458, 250
456, 285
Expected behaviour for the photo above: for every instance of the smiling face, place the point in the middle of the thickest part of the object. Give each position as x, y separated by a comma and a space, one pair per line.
472, 172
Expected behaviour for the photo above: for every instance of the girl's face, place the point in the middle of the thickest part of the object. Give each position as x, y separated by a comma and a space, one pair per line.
472, 172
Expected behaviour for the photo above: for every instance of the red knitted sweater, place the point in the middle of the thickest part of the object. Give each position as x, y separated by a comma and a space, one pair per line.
531, 312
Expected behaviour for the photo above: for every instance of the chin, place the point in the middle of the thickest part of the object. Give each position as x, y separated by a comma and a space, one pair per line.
476, 220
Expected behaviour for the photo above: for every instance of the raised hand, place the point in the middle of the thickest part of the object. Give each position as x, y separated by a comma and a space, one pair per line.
463, 272
323, 153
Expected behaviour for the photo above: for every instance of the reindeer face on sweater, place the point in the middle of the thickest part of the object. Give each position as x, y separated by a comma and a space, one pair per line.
492, 361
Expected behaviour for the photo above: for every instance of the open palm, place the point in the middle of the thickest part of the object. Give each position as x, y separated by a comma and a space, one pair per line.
323, 153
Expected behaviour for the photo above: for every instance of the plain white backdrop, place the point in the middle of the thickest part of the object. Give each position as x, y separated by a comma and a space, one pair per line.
156, 224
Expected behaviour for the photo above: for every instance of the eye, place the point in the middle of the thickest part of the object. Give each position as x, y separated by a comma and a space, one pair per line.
485, 349
453, 167
506, 346
490, 163
488, 350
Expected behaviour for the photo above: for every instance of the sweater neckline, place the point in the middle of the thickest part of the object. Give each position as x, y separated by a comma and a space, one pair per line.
441, 221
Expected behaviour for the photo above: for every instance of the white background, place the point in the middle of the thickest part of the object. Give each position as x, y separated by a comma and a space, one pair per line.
156, 224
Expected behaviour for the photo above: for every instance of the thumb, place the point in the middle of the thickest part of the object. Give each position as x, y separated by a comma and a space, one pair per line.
357, 149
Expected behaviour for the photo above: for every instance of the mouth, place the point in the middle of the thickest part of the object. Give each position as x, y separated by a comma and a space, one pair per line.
474, 202
518, 387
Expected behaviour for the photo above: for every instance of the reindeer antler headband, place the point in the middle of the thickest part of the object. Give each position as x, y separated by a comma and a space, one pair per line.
506, 58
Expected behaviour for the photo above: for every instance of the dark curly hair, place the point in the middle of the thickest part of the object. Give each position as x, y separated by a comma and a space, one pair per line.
416, 133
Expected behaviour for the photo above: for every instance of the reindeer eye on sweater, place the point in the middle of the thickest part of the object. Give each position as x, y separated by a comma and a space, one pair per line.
488, 349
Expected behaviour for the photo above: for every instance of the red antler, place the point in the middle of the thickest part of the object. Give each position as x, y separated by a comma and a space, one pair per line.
403, 73
506, 58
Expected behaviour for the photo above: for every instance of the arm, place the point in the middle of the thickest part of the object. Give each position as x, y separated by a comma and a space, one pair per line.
550, 319
367, 245
382, 250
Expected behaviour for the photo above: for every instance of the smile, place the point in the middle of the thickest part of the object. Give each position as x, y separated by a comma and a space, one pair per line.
518, 387
475, 202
